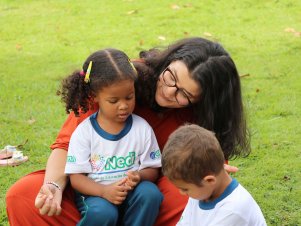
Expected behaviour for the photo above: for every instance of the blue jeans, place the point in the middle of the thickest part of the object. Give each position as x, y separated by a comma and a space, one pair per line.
140, 208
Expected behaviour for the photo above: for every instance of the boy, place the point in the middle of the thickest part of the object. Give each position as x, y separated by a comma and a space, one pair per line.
193, 161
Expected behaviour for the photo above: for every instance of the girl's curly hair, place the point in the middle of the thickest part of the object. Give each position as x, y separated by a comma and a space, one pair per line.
108, 66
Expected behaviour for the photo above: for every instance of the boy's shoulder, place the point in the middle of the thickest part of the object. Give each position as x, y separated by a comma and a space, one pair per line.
241, 205
240, 197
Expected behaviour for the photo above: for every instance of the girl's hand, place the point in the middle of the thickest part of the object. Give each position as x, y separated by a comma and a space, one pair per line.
133, 179
230, 169
116, 193
48, 200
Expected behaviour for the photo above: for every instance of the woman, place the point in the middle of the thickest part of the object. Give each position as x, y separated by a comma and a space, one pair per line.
193, 80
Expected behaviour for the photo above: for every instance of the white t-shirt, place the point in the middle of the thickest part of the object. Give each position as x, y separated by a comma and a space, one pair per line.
106, 157
235, 207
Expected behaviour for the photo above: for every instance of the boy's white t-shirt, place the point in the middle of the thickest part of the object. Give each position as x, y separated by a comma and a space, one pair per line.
235, 207
106, 157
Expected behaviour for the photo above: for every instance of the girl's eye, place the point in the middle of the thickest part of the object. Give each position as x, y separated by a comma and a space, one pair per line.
112, 101
130, 97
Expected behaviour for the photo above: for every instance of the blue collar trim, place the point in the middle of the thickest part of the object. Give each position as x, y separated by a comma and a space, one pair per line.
211, 205
108, 136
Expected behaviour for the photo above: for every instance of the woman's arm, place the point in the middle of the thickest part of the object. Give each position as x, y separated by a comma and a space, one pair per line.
49, 199
55, 168
230, 169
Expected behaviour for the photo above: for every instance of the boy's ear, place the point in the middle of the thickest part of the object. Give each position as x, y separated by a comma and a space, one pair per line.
210, 179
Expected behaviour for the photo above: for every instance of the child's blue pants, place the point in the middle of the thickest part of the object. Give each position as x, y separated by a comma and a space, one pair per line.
140, 208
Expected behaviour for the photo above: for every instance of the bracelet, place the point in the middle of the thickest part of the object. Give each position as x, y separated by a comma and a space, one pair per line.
54, 184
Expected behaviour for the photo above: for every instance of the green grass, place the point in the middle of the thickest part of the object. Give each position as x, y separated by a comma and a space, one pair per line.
43, 41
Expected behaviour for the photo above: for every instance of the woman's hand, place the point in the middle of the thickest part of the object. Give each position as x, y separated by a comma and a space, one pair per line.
116, 193
230, 169
133, 179
48, 200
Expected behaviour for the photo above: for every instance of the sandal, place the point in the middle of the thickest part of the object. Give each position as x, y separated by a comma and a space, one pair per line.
7, 152
16, 159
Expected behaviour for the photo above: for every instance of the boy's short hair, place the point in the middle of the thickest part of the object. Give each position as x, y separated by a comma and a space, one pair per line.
191, 153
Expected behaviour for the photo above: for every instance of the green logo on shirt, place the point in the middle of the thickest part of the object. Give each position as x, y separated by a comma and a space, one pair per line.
71, 159
120, 162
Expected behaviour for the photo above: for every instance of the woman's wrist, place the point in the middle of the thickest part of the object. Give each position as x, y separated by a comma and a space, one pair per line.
54, 184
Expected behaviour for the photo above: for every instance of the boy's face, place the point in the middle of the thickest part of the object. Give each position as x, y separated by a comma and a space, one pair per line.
203, 192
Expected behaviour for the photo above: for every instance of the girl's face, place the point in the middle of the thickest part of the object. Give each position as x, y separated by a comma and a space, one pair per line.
176, 88
116, 102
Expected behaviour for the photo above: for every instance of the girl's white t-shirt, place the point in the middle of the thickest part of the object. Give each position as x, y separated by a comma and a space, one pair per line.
106, 157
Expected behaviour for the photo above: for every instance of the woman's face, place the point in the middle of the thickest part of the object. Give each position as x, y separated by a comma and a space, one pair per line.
176, 88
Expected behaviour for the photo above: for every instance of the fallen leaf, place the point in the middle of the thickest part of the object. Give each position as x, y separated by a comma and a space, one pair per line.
257, 90
245, 75
289, 29
207, 34
293, 31
141, 42
132, 12
31, 121
187, 5
18, 47
162, 38
175, 7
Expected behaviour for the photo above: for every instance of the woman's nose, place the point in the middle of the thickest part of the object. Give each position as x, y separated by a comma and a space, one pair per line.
170, 92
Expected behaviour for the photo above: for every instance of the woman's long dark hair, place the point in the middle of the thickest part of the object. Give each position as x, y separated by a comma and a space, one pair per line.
220, 107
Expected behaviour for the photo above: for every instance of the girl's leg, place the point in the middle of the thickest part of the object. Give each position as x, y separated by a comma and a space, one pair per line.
20, 207
141, 206
96, 211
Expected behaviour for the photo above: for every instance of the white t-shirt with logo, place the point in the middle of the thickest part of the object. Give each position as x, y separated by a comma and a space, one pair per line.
106, 157
235, 207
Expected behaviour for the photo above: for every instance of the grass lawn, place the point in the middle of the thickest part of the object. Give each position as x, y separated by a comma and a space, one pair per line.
43, 41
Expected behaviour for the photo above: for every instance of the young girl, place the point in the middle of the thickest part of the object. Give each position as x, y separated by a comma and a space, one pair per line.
113, 156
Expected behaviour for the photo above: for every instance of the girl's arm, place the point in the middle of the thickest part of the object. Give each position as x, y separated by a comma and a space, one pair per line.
86, 186
134, 177
150, 174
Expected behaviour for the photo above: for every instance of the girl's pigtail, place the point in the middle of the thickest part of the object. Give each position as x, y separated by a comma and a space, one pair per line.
75, 93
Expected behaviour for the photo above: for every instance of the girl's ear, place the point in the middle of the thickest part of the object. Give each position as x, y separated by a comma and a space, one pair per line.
209, 179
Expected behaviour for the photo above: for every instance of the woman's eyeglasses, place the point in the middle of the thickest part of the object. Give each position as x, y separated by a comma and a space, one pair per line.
170, 81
